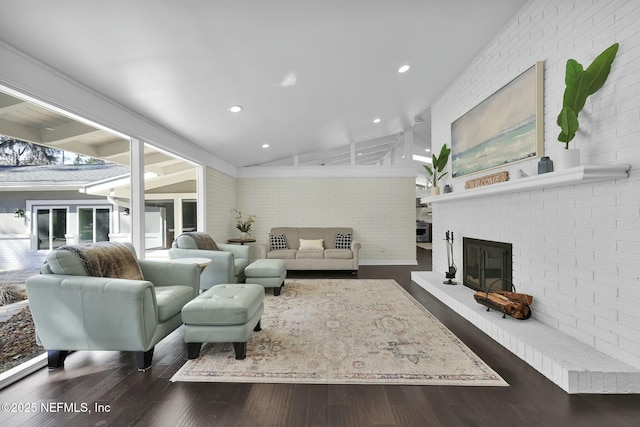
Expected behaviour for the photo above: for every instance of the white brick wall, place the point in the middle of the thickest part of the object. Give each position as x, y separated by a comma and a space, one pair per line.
221, 199
16, 254
376, 209
576, 248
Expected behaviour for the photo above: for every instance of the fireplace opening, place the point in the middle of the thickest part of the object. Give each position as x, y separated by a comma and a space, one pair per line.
485, 262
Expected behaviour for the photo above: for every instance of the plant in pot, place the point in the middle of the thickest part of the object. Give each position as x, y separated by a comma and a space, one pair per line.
435, 172
244, 225
580, 83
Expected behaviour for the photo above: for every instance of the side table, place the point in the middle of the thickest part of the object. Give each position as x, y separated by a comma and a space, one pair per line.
241, 241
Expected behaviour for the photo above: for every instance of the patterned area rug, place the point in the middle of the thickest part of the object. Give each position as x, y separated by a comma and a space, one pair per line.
344, 332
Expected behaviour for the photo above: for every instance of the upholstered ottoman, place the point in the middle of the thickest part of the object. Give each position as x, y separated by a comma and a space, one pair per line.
223, 313
269, 273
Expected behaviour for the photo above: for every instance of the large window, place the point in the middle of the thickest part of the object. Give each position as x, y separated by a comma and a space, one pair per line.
93, 225
52, 227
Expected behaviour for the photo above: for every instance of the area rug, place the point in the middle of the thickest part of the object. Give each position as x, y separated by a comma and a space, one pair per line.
344, 332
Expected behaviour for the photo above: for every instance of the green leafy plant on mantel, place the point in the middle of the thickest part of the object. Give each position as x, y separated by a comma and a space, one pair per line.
581, 83
435, 171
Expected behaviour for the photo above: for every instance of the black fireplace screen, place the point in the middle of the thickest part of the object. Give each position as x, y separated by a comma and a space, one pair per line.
485, 262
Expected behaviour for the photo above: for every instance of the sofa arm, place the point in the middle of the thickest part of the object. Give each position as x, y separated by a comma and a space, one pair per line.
355, 247
263, 248
167, 273
92, 313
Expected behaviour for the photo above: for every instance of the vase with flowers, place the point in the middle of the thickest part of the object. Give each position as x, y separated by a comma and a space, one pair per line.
244, 225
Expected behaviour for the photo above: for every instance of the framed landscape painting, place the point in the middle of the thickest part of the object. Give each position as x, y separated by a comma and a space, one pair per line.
506, 127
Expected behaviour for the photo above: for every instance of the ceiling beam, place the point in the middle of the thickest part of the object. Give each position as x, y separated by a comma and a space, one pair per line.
113, 149
9, 104
66, 132
163, 181
17, 131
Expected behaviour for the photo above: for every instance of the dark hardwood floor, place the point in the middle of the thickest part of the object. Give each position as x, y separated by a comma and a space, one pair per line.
128, 397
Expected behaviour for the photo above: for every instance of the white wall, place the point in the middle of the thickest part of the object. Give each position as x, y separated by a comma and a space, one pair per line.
381, 211
221, 199
576, 248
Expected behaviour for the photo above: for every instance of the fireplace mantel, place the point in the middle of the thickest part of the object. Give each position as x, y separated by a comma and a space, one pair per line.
578, 175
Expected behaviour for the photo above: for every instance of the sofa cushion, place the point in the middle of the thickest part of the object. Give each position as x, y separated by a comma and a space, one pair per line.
171, 299
310, 254
343, 240
282, 254
311, 244
196, 240
330, 234
338, 254
277, 242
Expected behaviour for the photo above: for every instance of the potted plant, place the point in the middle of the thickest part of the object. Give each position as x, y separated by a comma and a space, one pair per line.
580, 83
244, 225
435, 171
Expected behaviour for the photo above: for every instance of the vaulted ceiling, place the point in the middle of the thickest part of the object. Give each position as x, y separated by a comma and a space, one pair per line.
311, 75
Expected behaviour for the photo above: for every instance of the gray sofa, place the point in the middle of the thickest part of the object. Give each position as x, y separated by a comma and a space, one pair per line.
327, 258
73, 310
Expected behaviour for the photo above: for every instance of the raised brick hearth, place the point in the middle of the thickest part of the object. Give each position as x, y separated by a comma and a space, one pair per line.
574, 366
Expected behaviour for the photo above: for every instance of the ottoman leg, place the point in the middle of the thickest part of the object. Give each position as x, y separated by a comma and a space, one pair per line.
276, 291
241, 350
258, 327
193, 350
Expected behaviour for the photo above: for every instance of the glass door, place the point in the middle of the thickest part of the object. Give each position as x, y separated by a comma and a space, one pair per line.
52, 227
93, 224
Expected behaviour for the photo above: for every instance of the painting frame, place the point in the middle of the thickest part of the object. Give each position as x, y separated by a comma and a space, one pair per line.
505, 128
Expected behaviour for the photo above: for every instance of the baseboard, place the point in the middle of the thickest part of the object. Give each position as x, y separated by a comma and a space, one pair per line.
388, 262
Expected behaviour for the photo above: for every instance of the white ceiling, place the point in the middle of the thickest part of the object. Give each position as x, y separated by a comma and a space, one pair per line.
182, 64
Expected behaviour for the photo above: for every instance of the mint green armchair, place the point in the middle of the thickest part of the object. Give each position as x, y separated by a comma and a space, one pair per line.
227, 263
74, 311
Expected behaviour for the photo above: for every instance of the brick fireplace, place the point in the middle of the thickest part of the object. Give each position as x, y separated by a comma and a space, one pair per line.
559, 257
486, 264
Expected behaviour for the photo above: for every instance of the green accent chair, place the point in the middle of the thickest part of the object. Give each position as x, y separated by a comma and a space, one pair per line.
73, 311
227, 263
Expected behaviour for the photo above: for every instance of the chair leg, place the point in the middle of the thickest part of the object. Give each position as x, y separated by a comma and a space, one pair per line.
143, 359
55, 358
241, 350
193, 350
258, 327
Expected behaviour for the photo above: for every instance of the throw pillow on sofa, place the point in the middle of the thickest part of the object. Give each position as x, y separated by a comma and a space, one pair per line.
277, 242
343, 241
311, 244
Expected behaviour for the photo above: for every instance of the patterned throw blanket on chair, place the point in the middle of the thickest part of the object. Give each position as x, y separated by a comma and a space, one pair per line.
107, 259
203, 240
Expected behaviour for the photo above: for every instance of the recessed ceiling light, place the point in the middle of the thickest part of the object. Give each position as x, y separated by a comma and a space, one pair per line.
235, 108
359, 154
404, 68
377, 120
265, 146
427, 149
